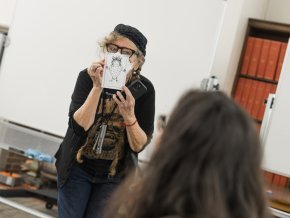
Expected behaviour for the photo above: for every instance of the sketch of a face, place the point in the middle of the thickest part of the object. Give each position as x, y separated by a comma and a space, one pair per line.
116, 63
116, 68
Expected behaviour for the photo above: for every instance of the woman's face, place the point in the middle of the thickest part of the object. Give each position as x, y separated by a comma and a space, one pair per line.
124, 42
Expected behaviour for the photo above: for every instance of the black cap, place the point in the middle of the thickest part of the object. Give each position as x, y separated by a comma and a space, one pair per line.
134, 35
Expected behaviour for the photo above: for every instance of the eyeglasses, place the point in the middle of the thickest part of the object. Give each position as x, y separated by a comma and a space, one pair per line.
112, 48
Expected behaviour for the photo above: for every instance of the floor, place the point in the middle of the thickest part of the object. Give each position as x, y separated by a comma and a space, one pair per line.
33, 203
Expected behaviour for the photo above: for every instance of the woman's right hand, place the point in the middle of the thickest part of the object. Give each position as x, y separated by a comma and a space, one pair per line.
96, 72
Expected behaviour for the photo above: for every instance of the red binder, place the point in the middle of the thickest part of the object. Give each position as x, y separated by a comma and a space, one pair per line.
239, 90
272, 60
246, 92
276, 180
263, 58
253, 65
247, 55
280, 60
252, 96
258, 99
269, 177
273, 88
283, 181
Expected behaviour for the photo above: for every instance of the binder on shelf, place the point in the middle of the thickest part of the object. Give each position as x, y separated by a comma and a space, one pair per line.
239, 90
276, 180
283, 181
252, 96
246, 92
258, 102
253, 65
247, 55
269, 177
273, 88
280, 60
272, 60
263, 58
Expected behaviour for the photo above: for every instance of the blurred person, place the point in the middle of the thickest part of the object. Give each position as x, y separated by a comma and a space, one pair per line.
208, 166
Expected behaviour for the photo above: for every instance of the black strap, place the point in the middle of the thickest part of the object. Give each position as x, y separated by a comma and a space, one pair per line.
105, 118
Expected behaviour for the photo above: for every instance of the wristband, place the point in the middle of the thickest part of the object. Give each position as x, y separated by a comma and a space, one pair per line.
131, 124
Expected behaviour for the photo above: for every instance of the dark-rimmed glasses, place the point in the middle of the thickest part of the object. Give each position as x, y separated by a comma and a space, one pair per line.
112, 48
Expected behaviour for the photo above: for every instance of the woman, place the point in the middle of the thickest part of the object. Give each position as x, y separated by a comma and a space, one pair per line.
119, 126
208, 166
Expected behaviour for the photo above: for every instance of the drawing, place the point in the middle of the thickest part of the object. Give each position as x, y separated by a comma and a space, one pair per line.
116, 68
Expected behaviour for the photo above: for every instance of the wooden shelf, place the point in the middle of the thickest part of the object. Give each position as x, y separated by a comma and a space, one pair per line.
280, 206
260, 65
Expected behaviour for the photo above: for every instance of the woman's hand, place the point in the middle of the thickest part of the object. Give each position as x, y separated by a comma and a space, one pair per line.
126, 106
96, 72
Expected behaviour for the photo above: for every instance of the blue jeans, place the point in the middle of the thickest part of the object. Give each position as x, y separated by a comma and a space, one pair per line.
84, 195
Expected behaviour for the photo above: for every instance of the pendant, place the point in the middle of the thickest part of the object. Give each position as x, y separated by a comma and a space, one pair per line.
100, 139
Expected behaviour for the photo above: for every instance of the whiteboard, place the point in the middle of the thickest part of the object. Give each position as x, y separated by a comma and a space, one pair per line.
51, 41
277, 142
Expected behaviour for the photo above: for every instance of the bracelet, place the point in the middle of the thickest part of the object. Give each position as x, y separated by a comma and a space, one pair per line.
131, 124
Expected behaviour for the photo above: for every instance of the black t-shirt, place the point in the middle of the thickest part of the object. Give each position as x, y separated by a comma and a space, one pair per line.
144, 111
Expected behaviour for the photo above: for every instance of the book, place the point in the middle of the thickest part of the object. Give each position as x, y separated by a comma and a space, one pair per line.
283, 181
280, 60
263, 58
246, 93
239, 90
269, 177
252, 96
247, 55
253, 65
272, 60
259, 100
273, 88
276, 180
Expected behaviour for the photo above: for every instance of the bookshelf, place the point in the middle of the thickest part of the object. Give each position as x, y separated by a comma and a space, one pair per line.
260, 65
257, 76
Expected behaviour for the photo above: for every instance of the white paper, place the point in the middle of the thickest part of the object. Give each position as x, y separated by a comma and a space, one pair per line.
115, 71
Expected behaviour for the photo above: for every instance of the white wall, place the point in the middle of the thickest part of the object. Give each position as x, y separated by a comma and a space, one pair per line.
278, 10
169, 24
232, 37
163, 20
51, 41
7, 8
276, 151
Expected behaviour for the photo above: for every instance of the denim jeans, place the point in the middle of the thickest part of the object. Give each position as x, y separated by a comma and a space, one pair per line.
84, 195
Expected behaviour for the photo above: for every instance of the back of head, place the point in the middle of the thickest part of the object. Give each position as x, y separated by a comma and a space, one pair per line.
208, 164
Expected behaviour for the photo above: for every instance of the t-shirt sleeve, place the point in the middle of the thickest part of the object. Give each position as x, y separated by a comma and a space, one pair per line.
145, 110
81, 91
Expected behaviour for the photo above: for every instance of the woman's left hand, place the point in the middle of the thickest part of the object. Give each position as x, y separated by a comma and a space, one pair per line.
126, 105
